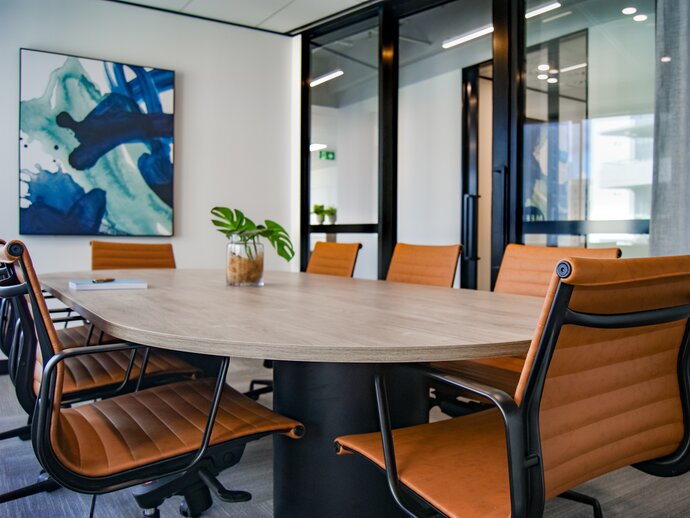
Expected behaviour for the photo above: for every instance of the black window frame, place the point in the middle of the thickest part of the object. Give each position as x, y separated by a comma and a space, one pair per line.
508, 101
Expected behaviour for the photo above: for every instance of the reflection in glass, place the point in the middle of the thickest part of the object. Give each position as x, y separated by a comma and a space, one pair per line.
589, 117
344, 123
436, 47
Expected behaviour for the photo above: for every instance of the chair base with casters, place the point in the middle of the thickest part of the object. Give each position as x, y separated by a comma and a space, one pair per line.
195, 488
259, 387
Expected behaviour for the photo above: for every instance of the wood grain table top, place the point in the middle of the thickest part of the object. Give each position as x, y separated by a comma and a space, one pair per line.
304, 317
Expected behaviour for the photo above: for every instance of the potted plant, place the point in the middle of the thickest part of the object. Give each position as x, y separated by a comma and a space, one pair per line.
331, 214
245, 259
320, 212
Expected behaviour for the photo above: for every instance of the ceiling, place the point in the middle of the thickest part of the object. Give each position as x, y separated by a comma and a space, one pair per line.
283, 16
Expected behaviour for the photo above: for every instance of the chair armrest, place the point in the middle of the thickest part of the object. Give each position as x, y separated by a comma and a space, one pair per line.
513, 420
44, 412
14, 290
502, 400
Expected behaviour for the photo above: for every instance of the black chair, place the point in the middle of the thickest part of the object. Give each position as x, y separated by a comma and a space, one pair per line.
162, 434
606, 384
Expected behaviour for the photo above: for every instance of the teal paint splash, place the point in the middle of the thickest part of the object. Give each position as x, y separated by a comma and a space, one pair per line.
132, 207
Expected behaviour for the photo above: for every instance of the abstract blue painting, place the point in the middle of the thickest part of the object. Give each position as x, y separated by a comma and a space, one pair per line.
95, 147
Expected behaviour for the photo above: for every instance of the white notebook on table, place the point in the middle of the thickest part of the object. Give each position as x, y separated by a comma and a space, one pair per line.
108, 284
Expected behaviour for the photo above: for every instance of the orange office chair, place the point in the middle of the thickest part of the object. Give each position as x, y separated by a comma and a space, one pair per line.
86, 377
110, 255
424, 264
184, 433
606, 384
525, 270
334, 258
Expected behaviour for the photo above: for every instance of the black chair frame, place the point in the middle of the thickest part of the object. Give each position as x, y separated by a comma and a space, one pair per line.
525, 467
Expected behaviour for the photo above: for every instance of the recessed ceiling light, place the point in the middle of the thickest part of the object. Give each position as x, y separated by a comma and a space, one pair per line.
629, 10
543, 9
317, 147
552, 80
543, 67
573, 67
464, 38
553, 71
326, 77
542, 77
640, 17
666, 59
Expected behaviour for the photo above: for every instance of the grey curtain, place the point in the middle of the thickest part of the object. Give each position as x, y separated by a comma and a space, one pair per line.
670, 222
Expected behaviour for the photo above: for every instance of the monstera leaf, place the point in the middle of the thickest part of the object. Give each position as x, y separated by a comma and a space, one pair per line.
233, 223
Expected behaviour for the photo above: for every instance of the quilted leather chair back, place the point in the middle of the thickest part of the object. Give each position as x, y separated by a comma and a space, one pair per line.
333, 258
611, 396
107, 255
424, 264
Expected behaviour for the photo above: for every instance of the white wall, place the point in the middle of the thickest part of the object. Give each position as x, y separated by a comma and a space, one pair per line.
234, 117
429, 168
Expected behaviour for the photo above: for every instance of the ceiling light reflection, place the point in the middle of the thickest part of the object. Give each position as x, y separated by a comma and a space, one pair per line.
543, 9
326, 77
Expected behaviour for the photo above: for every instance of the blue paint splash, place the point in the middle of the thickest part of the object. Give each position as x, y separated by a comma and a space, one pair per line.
130, 162
59, 205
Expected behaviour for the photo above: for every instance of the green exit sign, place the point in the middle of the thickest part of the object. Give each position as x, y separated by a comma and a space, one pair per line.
326, 155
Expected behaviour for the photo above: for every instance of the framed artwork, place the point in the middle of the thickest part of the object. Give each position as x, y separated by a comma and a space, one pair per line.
95, 147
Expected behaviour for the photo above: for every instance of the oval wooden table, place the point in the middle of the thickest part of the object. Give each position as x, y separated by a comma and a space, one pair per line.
326, 335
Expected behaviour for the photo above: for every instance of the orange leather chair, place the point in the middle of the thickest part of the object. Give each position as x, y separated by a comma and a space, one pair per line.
606, 384
334, 258
85, 377
192, 428
111, 255
525, 270
424, 264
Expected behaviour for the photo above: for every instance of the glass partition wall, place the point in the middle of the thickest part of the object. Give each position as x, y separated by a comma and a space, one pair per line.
343, 148
588, 127
538, 123
440, 50
385, 95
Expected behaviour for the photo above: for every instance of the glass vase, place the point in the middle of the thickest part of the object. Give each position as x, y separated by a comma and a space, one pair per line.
245, 264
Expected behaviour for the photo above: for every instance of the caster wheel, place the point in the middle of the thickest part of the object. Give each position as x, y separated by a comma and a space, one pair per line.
184, 509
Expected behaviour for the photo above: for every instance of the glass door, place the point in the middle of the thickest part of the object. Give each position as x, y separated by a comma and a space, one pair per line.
440, 50
588, 128
343, 149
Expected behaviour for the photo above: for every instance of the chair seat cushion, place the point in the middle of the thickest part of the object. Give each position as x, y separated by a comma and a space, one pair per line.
93, 371
75, 336
103, 370
124, 432
502, 373
459, 466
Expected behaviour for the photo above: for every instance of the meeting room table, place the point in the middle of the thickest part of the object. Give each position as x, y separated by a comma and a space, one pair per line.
326, 336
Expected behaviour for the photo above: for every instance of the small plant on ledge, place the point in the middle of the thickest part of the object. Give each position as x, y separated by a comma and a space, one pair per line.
245, 261
319, 211
331, 214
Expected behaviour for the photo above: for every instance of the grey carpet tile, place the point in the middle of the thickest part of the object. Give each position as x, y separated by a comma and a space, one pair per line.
625, 493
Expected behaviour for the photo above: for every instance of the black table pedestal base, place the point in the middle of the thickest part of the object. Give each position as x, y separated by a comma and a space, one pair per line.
334, 399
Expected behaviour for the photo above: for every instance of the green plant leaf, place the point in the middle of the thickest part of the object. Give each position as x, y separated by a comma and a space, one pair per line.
234, 223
